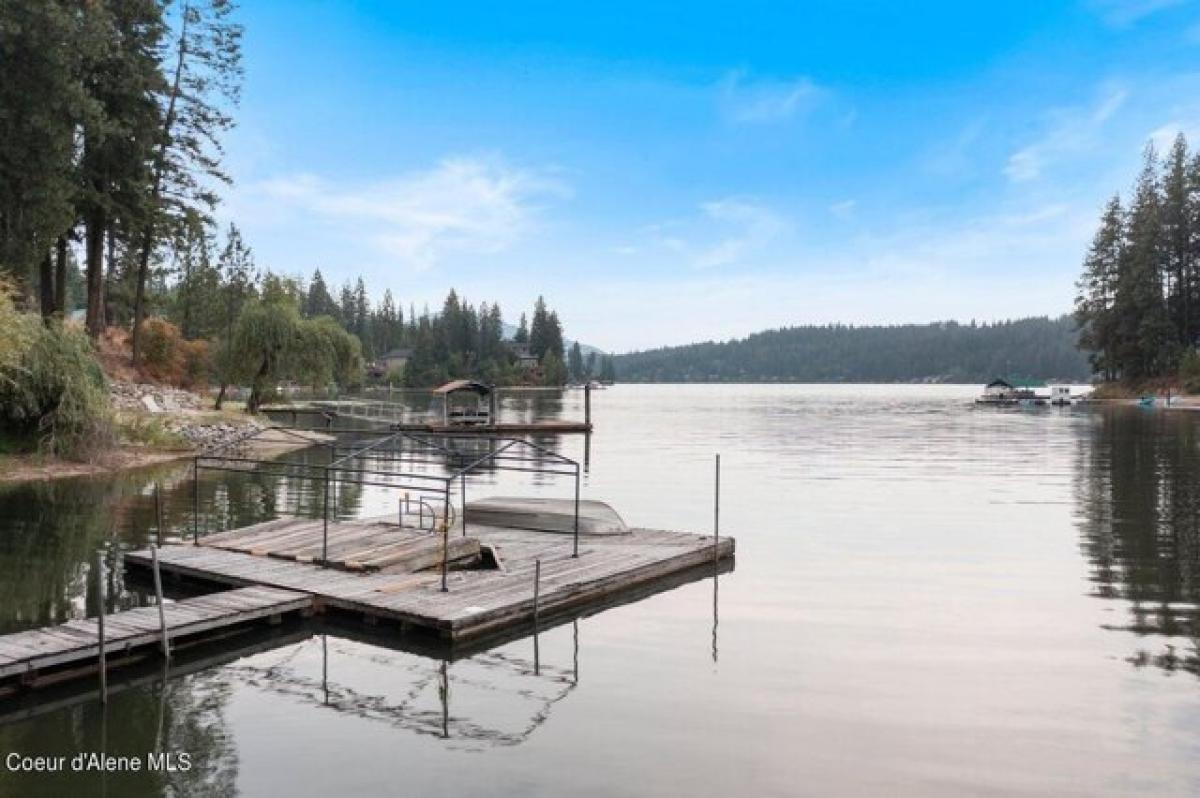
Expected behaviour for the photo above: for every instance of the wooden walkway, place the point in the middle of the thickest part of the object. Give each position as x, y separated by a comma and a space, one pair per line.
77, 643
478, 601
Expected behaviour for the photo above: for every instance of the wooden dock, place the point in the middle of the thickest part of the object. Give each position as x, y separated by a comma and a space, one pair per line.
479, 600
74, 647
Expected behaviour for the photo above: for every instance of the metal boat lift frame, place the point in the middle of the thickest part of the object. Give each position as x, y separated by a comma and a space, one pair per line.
391, 451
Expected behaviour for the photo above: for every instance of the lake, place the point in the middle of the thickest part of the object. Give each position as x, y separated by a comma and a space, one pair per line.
929, 599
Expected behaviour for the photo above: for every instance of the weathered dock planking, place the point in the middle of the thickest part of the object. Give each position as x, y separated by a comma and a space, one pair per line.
77, 643
478, 601
368, 545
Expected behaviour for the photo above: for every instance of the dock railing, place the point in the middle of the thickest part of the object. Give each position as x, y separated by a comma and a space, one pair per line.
389, 459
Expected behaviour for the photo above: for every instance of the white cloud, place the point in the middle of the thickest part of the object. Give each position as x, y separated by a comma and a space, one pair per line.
744, 231
1122, 13
1164, 136
1070, 132
954, 157
843, 209
749, 101
461, 205
1014, 262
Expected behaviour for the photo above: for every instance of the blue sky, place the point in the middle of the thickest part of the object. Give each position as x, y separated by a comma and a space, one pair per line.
671, 173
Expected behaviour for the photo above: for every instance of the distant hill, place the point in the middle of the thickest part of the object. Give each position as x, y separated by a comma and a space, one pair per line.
510, 330
937, 352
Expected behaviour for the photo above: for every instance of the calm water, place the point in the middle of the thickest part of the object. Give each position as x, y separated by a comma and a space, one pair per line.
929, 599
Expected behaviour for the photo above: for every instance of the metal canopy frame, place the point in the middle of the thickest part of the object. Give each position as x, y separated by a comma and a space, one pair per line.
392, 454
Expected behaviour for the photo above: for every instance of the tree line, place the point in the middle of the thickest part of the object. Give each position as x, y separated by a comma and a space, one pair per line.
940, 351
110, 140
1138, 307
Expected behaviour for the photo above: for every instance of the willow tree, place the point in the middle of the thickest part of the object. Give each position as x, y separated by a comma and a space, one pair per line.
258, 351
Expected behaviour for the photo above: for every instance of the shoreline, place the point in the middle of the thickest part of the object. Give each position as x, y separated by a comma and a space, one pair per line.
16, 468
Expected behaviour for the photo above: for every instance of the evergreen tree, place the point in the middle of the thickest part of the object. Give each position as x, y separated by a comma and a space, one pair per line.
205, 78
1095, 311
539, 334
318, 302
42, 48
362, 311
1177, 240
346, 311
575, 363
123, 80
521, 336
608, 369
1144, 330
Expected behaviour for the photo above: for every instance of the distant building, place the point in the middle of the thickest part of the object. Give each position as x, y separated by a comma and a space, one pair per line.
394, 360
525, 358
1011, 392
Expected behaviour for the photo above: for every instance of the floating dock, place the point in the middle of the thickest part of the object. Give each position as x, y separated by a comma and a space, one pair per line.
382, 571
72, 649
449, 569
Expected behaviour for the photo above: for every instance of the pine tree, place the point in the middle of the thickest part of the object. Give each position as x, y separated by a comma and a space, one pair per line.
1094, 306
42, 101
539, 334
1176, 239
318, 302
122, 80
575, 363
1144, 329
205, 78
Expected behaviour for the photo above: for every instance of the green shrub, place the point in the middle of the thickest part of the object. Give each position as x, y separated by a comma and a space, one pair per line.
52, 389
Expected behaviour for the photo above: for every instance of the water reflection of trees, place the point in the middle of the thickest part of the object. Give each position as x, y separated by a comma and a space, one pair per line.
171, 716
1139, 508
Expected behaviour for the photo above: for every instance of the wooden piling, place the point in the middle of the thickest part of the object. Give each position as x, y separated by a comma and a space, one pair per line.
158, 513
717, 509
100, 626
158, 595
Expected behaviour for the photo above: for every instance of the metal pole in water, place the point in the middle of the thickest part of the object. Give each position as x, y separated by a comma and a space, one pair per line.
463, 479
575, 553
158, 512
325, 523
445, 537
162, 613
537, 580
587, 403
196, 501
100, 626
717, 509
444, 689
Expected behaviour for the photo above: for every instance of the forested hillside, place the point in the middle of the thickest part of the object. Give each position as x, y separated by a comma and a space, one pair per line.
941, 351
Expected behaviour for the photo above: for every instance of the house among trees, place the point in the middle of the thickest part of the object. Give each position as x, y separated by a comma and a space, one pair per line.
393, 361
523, 355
